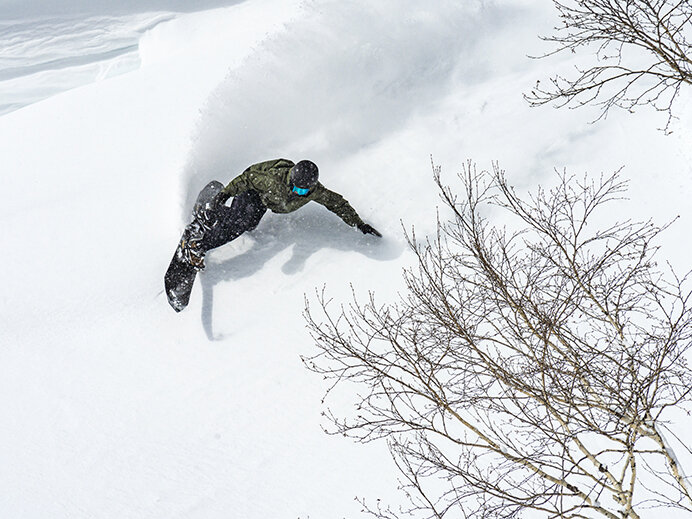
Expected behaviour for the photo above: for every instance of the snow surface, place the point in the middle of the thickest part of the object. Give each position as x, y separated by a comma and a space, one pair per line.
114, 405
45, 56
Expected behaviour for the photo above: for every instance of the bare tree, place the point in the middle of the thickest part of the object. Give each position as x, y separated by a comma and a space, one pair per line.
527, 369
643, 52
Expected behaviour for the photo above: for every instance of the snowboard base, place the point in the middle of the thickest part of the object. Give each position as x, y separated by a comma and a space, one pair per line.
180, 276
179, 279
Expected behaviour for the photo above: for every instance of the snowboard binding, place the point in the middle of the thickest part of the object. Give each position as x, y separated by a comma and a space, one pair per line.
191, 251
204, 219
188, 259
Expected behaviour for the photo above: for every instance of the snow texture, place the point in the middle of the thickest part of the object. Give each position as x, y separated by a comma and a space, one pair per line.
114, 405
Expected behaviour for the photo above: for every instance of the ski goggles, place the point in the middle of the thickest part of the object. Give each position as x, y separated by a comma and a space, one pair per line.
300, 191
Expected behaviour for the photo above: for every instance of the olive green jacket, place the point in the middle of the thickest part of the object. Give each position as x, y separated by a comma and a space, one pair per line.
271, 180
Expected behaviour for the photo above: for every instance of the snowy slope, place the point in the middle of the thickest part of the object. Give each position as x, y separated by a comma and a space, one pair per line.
43, 57
115, 406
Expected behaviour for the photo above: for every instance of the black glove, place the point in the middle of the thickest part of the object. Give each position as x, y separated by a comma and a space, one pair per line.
214, 204
368, 229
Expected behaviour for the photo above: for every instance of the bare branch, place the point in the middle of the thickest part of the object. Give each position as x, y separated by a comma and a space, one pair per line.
643, 54
525, 367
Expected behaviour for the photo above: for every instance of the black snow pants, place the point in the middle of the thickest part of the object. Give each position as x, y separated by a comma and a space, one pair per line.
244, 214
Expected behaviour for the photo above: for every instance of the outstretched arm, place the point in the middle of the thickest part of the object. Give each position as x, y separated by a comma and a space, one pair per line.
338, 205
368, 229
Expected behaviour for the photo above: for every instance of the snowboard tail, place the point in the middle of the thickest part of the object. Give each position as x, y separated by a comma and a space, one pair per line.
180, 276
178, 280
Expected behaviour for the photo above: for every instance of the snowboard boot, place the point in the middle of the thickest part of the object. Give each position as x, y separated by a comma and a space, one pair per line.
191, 250
204, 219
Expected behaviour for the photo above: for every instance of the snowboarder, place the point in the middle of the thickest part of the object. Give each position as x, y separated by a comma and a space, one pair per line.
278, 185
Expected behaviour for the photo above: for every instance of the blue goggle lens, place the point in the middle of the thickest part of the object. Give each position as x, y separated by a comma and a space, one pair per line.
300, 191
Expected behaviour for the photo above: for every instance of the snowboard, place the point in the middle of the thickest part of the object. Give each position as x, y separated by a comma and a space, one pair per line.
180, 276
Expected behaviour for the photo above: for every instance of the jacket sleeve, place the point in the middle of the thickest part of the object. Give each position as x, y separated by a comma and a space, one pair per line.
240, 184
338, 205
254, 177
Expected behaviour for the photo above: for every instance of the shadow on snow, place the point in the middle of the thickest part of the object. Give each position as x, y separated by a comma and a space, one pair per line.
305, 232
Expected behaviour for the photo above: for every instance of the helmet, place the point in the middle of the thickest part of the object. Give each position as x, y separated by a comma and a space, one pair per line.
304, 175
